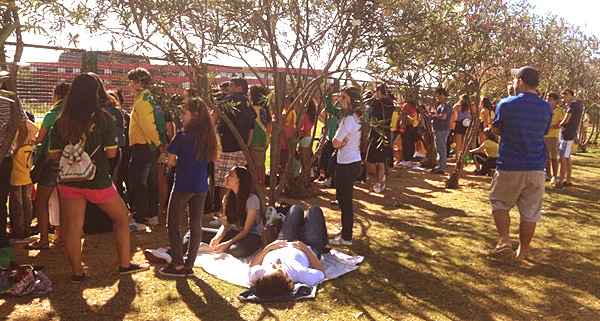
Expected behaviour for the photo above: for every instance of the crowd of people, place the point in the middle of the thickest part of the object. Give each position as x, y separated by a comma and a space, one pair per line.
142, 165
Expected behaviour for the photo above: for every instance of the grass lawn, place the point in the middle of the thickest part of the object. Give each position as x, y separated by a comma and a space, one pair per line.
425, 250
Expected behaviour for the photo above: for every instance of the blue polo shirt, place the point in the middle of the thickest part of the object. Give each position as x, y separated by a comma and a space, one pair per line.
523, 120
191, 174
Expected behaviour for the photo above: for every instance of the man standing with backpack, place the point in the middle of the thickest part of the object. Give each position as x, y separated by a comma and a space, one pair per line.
147, 139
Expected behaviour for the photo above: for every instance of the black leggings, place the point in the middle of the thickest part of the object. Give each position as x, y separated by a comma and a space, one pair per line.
346, 175
242, 248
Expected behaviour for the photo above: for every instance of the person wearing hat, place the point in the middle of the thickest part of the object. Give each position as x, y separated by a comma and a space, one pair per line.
522, 121
12, 121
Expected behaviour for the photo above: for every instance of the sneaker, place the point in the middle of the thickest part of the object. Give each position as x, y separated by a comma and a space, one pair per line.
138, 227
152, 221
215, 223
133, 268
152, 259
338, 240
335, 204
438, 171
553, 181
380, 187
171, 271
375, 188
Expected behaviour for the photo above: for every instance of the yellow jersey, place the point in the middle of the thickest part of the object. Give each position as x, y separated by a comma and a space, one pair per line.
491, 148
143, 126
557, 116
21, 166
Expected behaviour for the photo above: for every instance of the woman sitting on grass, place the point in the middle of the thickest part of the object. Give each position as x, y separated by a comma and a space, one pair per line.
241, 217
294, 257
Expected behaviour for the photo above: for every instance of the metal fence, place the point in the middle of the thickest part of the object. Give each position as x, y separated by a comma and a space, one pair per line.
43, 67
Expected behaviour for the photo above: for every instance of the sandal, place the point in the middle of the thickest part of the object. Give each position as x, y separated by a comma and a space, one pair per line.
503, 251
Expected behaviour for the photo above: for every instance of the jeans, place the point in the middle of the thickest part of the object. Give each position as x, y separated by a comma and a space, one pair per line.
309, 228
143, 181
346, 175
177, 205
5, 169
21, 210
441, 139
487, 164
409, 138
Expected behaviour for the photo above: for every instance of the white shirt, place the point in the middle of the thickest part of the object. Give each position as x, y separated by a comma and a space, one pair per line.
349, 128
295, 264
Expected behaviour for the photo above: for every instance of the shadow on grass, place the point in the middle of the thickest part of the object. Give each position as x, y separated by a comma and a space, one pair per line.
72, 305
210, 306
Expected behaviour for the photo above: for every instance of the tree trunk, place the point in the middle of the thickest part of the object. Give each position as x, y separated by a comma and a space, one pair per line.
276, 106
14, 67
470, 137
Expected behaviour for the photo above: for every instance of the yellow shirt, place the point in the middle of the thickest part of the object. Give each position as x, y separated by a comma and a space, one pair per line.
395, 117
557, 116
21, 166
290, 119
491, 148
143, 127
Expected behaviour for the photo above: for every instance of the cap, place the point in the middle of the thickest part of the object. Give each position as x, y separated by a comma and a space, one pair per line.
528, 74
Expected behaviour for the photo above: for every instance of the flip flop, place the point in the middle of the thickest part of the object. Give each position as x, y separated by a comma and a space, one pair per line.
503, 252
37, 246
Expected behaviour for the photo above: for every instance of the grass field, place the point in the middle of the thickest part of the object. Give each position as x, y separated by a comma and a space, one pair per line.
425, 250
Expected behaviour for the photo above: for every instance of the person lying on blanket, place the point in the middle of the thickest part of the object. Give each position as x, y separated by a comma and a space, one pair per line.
294, 257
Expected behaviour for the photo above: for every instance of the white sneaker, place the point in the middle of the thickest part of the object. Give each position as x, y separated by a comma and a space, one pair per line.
338, 240
152, 221
138, 227
375, 187
553, 181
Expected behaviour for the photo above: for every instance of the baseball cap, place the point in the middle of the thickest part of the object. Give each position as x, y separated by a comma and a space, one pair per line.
528, 74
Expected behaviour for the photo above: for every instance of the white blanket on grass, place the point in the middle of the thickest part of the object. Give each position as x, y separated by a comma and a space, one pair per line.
233, 270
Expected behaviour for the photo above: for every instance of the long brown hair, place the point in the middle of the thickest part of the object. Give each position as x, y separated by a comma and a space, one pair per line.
82, 104
234, 205
201, 127
465, 103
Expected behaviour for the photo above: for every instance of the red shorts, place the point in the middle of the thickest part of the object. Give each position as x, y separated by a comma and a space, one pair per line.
96, 196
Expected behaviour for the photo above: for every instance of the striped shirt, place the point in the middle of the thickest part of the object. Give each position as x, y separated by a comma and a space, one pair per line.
5, 115
523, 120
